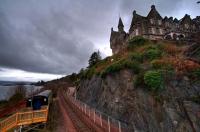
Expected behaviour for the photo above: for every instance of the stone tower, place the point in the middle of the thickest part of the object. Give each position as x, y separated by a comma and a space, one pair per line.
120, 25
117, 38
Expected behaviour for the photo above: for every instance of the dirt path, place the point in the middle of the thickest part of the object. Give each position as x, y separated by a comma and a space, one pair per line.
73, 119
66, 123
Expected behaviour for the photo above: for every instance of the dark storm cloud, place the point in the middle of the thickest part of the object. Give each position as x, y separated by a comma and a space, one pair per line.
165, 7
41, 46
58, 37
47, 36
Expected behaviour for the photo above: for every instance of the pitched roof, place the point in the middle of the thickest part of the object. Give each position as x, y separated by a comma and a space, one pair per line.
136, 18
176, 20
197, 20
165, 19
154, 13
186, 19
120, 24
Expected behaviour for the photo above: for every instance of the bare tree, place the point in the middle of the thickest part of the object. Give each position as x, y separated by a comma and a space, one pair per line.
17, 93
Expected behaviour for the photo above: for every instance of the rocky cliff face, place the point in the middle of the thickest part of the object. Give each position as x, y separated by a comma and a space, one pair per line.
193, 52
174, 109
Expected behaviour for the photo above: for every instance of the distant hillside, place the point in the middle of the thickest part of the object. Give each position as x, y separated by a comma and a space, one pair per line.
12, 83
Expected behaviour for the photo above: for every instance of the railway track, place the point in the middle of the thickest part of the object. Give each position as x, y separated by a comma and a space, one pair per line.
80, 121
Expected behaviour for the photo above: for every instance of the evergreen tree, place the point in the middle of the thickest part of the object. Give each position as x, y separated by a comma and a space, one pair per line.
94, 58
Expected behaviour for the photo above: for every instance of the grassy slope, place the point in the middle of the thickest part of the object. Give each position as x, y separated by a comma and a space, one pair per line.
143, 56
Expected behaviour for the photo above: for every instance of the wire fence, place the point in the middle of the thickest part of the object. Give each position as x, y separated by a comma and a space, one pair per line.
99, 118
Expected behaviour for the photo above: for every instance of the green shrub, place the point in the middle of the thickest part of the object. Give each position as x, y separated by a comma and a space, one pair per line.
82, 73
115, 67
89, 73
154, 80
136, 56
103, 61
197, 73
152, 54
134, 66
139, 80
136, 41
122, 64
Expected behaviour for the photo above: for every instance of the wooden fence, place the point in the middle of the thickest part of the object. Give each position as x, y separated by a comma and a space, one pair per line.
24, 118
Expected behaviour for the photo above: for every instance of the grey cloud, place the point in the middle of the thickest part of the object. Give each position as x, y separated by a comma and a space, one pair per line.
43, 44
166, 7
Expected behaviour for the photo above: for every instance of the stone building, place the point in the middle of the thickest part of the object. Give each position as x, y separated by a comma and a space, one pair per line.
154, 27
118, 38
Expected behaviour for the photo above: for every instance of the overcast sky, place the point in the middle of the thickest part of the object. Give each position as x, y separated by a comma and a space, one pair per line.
46, 39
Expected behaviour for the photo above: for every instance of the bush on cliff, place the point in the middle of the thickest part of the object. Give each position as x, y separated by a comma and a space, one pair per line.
89, 73
154, 80
139, 80
152, 53
136, 41
136, 56
119, 65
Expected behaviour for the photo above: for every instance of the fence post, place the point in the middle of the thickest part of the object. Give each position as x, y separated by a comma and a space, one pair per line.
32, 116
119, 123
89, 112
75, 95
108, 124
85, 109
94, 115
101, 119
16, 118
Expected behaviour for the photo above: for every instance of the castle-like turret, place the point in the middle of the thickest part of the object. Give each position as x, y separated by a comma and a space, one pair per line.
117, 38
120, 25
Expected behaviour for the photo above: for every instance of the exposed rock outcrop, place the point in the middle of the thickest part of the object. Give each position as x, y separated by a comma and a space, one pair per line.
193, 52
172, 110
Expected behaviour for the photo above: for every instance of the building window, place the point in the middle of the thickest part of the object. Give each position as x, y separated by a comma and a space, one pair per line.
153, 30
159, 22
136, 32
193, 26
186, 26
167, 24
160, 31
151, 21
150, 31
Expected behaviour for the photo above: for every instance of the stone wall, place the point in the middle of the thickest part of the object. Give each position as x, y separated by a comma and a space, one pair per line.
171, 111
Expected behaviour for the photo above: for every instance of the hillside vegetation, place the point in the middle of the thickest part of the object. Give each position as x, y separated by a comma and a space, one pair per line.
150, 85
151, 61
